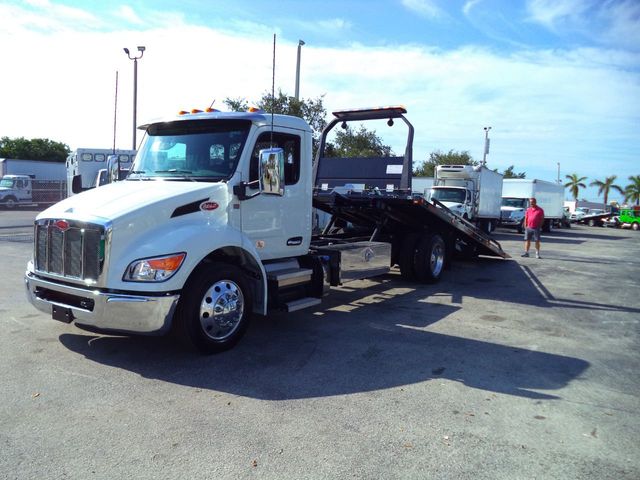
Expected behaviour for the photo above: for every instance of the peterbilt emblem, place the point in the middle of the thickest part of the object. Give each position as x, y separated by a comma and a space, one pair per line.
208, 206
62, 225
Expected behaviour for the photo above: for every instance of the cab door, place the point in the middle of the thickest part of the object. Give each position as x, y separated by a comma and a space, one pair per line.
279, 226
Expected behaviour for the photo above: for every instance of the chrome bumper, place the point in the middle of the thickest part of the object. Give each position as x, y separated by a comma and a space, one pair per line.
510, 222
141, 314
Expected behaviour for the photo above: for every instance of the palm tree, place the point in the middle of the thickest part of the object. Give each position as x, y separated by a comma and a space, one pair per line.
632, 191
606, 186
575, 184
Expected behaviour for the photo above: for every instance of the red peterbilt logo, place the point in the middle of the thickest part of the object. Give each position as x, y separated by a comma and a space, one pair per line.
207, 206
62, 225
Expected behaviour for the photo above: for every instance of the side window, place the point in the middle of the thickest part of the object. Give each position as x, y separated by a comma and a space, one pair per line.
100, 157
87, 157
291, 146
19, 183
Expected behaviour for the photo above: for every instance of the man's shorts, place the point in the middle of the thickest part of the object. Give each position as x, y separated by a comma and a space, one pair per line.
532, 234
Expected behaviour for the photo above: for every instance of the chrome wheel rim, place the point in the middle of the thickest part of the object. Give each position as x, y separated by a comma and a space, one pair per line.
221, 309
437, 259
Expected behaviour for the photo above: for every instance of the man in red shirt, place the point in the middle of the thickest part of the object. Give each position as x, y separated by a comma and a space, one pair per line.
533, 220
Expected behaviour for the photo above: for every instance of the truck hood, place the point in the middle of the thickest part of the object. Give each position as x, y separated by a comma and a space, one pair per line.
511, 209
122, 199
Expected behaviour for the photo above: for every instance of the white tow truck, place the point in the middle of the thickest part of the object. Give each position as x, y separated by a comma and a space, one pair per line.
214, 224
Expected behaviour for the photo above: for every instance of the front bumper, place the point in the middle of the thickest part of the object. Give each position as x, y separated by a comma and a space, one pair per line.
510, 222
118, 312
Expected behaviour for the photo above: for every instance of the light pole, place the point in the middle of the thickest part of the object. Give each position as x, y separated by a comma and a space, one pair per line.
558, 172
486, 145
135, 88
300, 44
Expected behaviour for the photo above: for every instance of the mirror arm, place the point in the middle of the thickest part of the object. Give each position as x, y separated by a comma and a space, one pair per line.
240, 190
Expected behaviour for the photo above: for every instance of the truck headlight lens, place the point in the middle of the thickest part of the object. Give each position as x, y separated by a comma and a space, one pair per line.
156, 269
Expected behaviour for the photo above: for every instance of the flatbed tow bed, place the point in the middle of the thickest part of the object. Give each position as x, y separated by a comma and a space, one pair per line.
371, 198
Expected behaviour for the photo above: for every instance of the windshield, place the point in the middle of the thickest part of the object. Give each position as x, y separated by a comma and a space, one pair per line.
191, 150
456, 195
515, 202
6, 182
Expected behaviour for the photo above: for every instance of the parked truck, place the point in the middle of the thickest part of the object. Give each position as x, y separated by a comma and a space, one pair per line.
516, 193
472, 192
91, 164
214, 224
31, 182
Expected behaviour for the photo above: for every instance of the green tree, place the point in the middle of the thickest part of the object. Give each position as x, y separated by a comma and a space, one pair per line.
604, 187
34, 149
236, 104
452, 157
575, 183
311, 109
632, 191
359, 143
509, 173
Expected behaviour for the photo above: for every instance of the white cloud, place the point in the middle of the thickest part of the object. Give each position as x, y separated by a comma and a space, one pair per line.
611, 22
127, 13
426, 8
469, 5
577, 107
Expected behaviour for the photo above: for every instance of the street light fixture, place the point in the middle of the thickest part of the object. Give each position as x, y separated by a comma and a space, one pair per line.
300, 44
486, 145
135, 87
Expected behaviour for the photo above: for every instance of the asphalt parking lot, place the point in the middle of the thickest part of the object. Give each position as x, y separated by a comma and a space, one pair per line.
523, 368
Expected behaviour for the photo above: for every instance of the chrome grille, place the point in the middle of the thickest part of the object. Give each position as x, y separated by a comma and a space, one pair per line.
77, 252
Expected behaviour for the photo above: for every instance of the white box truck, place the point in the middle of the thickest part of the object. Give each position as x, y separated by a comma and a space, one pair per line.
31, 182
471, 192
516, 193
87, 162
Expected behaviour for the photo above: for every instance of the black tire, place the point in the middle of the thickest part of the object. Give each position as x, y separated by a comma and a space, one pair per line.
10, 203
215, 308
430, 258
521, 227
406, 257
592, 223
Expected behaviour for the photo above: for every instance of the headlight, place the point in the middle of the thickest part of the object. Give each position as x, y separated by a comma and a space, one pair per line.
156, 269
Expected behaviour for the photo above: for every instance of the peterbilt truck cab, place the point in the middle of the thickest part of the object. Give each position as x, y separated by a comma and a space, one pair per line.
121, 257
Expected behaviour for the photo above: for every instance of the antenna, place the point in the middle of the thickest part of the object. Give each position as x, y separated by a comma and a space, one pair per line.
273, 87
211, 106
115, 115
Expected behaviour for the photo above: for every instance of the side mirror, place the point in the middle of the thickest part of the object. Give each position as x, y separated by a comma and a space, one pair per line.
76, 184
271, 171
113, 167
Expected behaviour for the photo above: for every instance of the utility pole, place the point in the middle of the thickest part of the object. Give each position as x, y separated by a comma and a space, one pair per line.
486, 146
135, 88
297, 94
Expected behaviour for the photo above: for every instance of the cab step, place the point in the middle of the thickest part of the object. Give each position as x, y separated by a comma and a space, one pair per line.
289, 277
301, 303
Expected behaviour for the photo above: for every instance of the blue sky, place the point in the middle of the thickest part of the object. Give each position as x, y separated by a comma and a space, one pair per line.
557, 80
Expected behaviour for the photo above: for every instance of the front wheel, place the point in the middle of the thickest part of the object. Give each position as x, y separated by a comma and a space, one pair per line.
215, 309
635, 226
10, 203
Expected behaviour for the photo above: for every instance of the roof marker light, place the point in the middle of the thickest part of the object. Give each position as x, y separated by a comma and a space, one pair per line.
195, 110
183, 112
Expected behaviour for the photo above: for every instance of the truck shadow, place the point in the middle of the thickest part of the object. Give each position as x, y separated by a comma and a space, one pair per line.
358, 341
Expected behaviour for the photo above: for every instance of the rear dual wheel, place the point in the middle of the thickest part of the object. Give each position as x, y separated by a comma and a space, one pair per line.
422, 258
